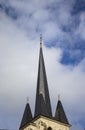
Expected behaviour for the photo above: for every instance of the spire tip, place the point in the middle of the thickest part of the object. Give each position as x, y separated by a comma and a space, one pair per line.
40, 40
27, 99
58, 97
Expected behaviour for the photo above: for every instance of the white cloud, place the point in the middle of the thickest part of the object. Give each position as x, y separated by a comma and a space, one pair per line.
81, 28
19, 52
77, 126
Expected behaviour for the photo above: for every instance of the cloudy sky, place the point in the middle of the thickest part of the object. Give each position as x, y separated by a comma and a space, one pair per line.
62, 24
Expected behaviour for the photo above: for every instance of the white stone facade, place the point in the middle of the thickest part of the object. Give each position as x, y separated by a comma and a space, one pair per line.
44, 123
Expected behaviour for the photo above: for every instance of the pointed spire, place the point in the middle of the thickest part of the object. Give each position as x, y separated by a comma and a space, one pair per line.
42, 104
60, 114
27, 116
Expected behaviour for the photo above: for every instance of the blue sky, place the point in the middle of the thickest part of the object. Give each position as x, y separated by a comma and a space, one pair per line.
62, 24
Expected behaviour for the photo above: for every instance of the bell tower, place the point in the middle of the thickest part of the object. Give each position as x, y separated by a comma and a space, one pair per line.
43, 118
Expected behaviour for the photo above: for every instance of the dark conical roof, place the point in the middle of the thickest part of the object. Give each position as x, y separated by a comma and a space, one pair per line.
42, 104
60, 114
27, 116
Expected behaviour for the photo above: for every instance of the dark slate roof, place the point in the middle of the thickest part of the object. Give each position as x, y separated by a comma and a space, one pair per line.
42, 104
60, 114
27, 116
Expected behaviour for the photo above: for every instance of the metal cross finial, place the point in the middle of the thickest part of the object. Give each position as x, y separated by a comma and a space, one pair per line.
58, 97
41, 40
27, 99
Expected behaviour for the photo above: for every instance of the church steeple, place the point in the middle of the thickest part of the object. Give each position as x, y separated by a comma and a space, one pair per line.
43, 114
42, 104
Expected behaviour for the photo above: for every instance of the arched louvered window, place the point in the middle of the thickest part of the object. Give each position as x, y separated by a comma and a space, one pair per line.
49, 128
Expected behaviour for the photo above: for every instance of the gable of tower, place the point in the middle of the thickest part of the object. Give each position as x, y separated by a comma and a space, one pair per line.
44, 123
